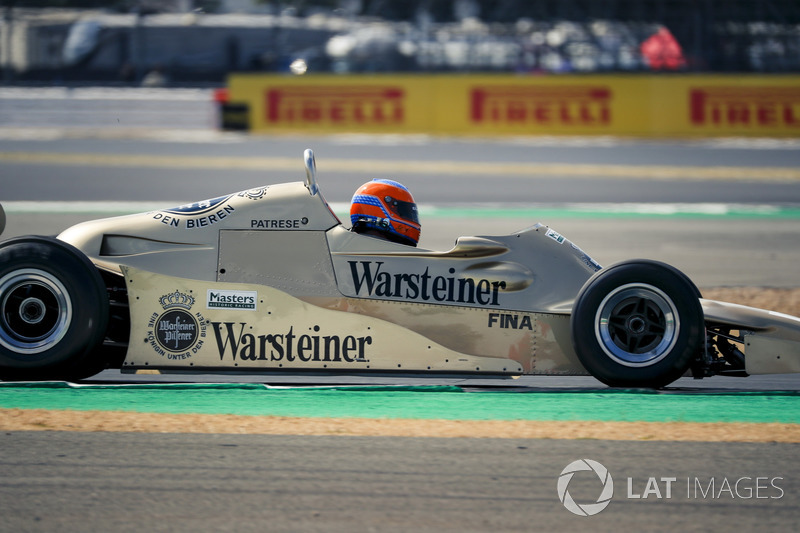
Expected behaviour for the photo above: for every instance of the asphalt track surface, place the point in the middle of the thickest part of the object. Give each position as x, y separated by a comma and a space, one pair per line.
126, 481
65, 481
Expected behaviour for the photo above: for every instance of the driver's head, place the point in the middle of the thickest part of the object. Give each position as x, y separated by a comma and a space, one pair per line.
387, 207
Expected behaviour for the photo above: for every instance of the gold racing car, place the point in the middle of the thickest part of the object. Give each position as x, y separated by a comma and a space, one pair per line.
268, 280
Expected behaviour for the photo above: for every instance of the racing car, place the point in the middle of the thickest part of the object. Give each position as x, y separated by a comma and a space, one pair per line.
269, 280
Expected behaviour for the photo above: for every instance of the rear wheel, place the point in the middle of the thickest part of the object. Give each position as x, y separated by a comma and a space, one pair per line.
53, 310
637, 324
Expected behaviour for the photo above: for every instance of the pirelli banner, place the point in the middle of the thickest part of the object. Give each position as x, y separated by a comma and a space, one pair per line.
656, 106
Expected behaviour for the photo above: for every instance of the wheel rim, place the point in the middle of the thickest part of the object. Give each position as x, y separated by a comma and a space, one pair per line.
35, 311
637, 325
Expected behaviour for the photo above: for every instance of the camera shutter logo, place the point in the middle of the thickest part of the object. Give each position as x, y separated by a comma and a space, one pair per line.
586, 509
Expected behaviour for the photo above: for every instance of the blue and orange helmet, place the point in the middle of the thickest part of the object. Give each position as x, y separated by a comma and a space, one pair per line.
388, 207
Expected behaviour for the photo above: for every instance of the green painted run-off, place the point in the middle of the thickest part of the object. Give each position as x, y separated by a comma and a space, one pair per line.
429, 402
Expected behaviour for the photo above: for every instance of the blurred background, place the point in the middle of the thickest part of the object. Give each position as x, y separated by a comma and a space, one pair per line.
198, 42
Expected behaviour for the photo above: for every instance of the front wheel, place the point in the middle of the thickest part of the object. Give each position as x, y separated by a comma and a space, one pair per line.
637, 324
53, 310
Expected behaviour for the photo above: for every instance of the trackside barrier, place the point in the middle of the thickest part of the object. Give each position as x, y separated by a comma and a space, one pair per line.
230, 116
645, 106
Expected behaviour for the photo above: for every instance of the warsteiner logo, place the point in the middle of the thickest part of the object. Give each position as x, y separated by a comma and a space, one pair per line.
176, 333
371, 279
236, 341
176, 330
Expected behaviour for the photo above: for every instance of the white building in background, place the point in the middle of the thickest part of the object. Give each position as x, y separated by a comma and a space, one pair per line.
53, 40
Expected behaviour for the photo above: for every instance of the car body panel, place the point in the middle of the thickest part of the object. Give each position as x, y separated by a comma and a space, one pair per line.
178, 323
771, 340
184, 240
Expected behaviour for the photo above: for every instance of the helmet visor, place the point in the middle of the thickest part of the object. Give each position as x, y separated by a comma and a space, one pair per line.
405, 210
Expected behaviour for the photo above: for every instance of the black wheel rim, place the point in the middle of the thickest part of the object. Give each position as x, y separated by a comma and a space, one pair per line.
35, 311
637, 325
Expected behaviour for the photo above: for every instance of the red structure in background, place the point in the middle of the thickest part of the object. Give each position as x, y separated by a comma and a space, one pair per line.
662, 51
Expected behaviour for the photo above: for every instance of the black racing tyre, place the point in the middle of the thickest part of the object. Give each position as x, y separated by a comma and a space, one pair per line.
637, 323
53, 310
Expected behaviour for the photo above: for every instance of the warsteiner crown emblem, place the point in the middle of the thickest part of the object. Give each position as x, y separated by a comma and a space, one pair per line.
176, 299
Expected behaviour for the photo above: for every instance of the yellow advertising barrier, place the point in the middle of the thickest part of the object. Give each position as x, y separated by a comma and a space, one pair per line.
650, 105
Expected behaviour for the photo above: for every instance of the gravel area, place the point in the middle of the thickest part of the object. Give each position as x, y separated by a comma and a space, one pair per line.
43, 420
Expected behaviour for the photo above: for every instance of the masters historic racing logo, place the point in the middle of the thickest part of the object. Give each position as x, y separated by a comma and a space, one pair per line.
226, 299
176, 333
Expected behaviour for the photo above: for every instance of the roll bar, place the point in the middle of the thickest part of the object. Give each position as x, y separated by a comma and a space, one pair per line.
311, 172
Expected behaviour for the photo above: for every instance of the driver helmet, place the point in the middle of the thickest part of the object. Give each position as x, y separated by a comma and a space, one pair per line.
387, 207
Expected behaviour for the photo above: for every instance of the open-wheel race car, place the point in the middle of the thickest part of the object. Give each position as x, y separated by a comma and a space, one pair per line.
268, 280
